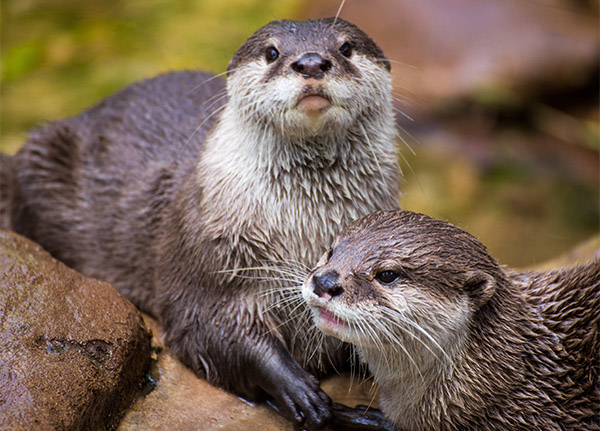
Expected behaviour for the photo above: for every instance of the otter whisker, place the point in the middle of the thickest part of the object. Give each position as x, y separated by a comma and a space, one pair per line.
206, 81
290, 264
404, 102
412, 66
364, 132
217, 98
287, 271
337, 14
289, 292
415, 337
317, 339
401, 112
376, 327
283, 298
216, 111
356, 367
405, 141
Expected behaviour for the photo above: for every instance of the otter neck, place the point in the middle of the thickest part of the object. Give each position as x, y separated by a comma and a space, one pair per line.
268, 149
484, 357
264, 187
405, 383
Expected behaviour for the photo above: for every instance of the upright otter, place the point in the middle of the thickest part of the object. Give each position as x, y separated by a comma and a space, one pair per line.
455, 341
174, 205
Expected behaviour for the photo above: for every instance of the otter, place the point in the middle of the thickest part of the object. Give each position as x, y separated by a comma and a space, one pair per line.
193, 196
454, 340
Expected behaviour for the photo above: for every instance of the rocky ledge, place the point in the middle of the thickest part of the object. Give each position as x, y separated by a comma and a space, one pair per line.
73, 351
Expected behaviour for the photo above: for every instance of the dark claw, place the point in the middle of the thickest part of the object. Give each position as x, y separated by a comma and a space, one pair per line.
361, 418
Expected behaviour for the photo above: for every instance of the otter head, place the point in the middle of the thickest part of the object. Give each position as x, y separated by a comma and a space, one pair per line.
306, 79
402, 283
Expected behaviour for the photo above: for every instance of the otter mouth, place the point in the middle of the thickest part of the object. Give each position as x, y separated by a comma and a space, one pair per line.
313, 101
328, 320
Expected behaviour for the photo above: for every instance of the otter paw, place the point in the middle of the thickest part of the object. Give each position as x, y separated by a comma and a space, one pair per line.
304, 403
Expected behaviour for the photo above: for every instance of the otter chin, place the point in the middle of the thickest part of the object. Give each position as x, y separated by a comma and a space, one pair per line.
313, 104
454, 340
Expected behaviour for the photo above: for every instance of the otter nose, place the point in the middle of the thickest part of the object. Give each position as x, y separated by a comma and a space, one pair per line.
312, 65
327, 285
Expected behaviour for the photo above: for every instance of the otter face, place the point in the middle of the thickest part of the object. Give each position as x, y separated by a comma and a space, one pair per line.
307, 79
401, 282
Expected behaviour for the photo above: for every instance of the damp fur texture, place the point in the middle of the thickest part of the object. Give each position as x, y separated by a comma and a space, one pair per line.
196, 197
454, 340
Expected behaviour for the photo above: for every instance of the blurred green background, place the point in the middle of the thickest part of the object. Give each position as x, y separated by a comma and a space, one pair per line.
518, 169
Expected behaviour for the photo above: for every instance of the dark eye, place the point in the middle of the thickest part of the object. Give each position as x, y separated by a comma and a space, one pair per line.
346, 49
271, 54
387, 277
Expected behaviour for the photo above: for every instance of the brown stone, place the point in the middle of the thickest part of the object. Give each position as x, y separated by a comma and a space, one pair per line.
73, 351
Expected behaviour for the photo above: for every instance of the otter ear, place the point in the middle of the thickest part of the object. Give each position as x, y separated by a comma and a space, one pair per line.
480, 286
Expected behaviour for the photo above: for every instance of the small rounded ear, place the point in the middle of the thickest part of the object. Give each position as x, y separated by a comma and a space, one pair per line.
480, 286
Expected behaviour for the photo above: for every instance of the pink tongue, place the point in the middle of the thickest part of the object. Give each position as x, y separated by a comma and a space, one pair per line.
313, 103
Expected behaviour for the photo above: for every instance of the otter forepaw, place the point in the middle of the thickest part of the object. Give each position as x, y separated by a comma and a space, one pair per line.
304, 403
294, 392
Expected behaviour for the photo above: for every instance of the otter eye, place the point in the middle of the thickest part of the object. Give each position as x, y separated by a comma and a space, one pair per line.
271, 54
346, 50
387, 277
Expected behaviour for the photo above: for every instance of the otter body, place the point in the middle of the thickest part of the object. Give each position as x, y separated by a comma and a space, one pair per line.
455, 341
185, 193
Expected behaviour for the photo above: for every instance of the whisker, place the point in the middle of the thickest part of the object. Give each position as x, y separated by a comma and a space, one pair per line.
364, 132
218, 75
426, 334
403, 63
337, 15
401, 112
189, 139
218, 97
197, 86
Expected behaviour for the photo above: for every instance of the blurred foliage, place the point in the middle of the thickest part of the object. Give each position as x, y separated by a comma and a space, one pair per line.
523, 213
61, 56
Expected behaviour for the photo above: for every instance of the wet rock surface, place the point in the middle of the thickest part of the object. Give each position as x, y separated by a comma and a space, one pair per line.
73, 351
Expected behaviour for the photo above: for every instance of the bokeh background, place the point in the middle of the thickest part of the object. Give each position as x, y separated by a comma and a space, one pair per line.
498, 100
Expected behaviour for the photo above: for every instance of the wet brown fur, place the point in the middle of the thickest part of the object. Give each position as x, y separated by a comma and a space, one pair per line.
521, 350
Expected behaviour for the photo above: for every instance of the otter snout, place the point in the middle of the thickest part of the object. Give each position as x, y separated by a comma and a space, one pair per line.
312, 65
327, 285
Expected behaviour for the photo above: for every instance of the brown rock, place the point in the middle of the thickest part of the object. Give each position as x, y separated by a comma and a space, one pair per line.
73, 352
